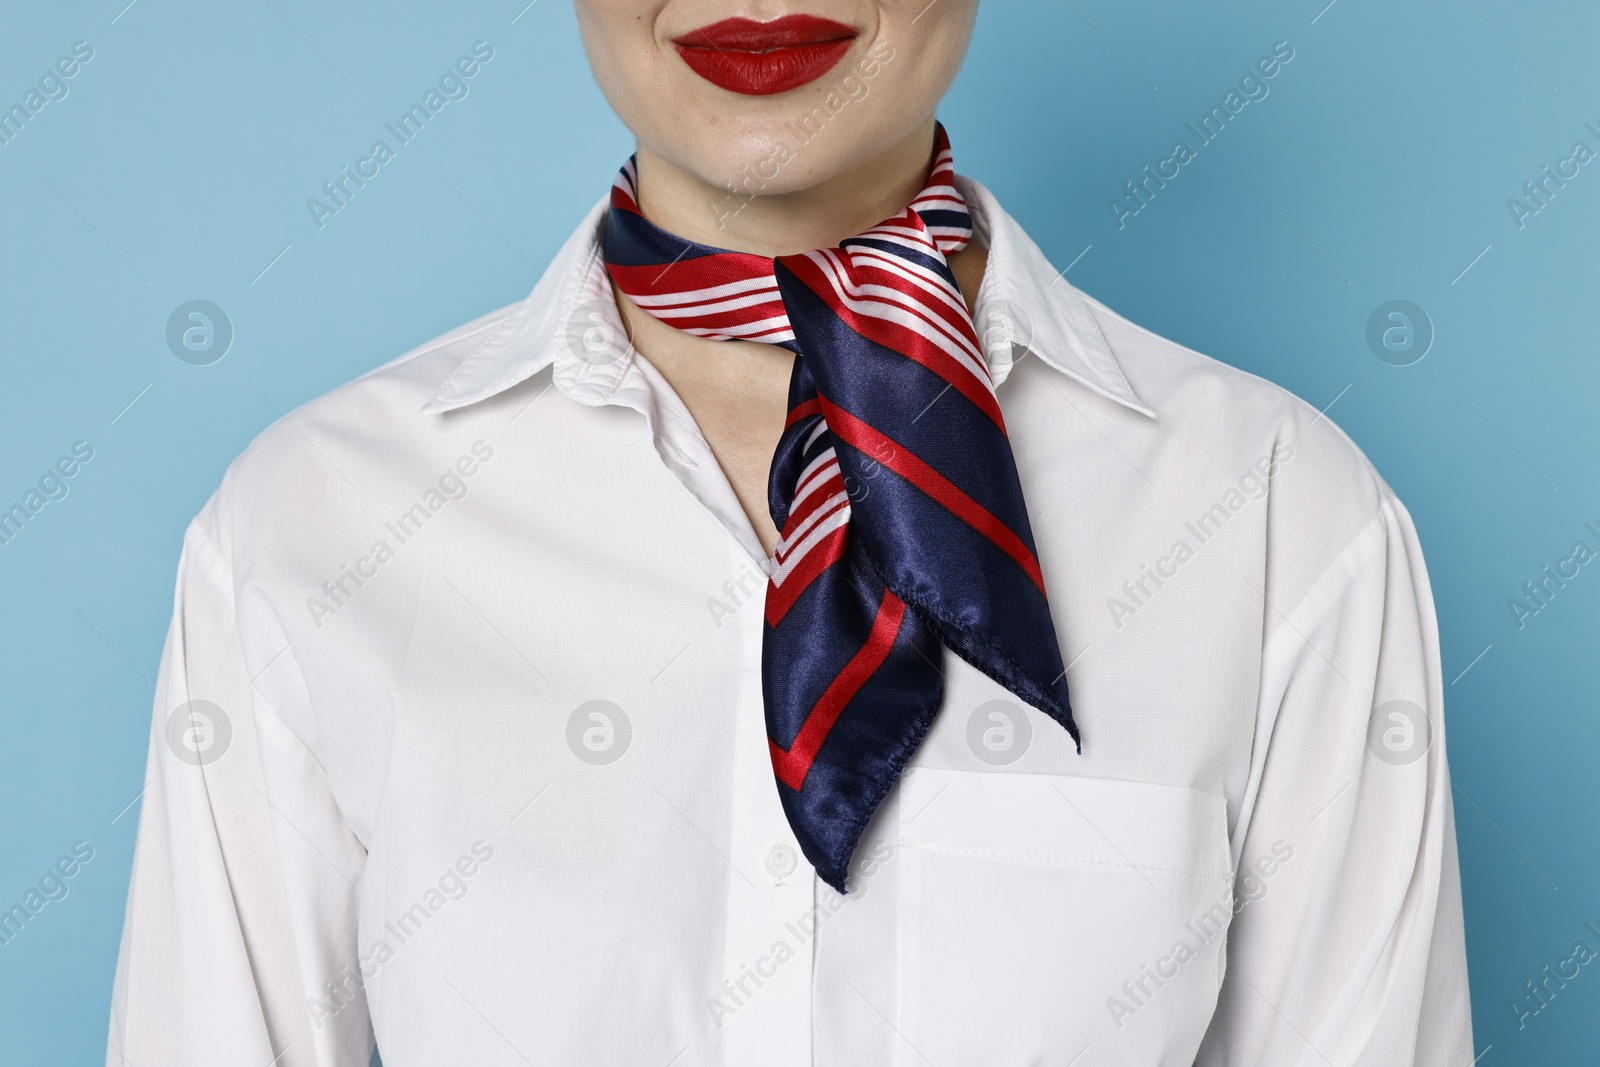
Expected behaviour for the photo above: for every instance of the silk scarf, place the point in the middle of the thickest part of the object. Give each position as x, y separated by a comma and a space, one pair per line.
893, 488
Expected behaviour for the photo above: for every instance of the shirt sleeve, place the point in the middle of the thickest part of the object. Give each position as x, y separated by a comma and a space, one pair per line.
243, 900
1347, 944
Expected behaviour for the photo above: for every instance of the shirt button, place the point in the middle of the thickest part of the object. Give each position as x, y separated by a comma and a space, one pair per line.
781, 860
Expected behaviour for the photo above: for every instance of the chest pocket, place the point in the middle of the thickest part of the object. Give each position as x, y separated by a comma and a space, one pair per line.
1056, 919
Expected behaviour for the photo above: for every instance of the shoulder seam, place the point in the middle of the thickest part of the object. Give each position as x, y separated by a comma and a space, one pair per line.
219, 569
1274, 386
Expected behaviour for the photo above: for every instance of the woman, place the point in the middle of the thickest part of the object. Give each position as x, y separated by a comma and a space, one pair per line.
872, 650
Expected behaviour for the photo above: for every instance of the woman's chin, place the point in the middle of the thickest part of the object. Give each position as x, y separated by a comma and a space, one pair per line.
757, 160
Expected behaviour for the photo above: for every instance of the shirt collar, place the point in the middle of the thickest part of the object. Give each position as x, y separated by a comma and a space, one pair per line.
570, 320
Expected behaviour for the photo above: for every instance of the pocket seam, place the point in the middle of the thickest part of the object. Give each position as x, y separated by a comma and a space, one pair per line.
1028, 856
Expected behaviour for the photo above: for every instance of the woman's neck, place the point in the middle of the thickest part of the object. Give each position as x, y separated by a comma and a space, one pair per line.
785, 223
737, 391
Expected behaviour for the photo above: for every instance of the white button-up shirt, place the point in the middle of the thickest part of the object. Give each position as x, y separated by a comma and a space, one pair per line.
459, 739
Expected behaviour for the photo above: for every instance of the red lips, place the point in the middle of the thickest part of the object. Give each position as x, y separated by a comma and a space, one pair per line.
765, 58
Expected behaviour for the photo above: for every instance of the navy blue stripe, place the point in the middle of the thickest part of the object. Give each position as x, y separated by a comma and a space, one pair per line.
961, 591
910, 255
911, 404
633, 241
947, 218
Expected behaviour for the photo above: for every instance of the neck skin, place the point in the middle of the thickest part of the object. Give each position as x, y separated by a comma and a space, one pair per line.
737, 391
784, 224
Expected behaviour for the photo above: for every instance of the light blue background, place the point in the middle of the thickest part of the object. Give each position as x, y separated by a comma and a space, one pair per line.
179, 166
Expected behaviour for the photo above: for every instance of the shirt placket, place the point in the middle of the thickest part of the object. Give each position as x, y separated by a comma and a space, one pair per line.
762, 1008
765, 1003
761, 1011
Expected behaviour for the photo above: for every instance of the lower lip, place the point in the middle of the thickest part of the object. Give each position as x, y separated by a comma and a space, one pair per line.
764, 59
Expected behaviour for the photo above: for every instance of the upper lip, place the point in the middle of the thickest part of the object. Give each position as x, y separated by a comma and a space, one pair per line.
747, 35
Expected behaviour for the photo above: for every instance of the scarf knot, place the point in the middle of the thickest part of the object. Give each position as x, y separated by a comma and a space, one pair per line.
894, 490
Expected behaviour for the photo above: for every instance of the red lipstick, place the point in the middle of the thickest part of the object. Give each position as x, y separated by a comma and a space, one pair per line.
765, 58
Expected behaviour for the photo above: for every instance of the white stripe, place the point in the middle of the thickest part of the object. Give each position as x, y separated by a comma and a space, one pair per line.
806, 484
926, 278
923, 243
715, 292
950, 240
909, 236
761, 327
847, 292
898, 246
836, 519
956, 344
931, 286
816, 461
626, 180
689, 311
773, 338
923, 304
826, 508
817, 432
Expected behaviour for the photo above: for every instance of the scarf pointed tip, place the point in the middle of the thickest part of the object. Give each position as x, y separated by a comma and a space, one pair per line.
1072, 728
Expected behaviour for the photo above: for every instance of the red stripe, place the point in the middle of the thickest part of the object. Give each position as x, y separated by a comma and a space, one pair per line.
945, 320
899, 338
689, 273
865, 268
903, 462
804, 409
824, 554
621, 198
829, 486
793, 766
